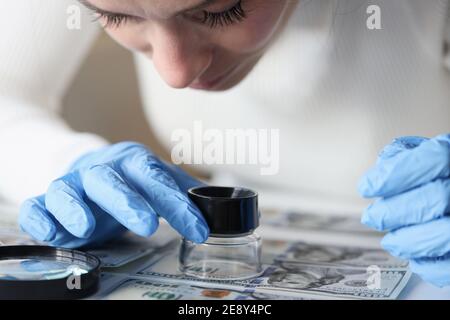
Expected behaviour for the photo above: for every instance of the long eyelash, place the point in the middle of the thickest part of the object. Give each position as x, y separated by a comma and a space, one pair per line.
212, 19
226, 18
112, 20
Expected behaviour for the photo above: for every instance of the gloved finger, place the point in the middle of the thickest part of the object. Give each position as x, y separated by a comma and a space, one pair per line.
400, 144
148, 175
430, 239
36, 220
104, 186
433, 270
182, 178
408, 169
107, 227
41, 225
419, 205
64, 199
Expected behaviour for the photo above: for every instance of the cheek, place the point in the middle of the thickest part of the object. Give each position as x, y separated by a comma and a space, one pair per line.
257, 30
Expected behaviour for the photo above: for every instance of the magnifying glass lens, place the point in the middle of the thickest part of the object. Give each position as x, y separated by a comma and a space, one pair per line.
41, 272
39, 269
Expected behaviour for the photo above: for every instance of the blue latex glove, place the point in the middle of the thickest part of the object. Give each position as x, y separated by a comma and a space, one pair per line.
412, 180
106, 192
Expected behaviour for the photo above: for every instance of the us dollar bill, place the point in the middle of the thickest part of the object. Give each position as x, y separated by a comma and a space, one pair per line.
153, 289
130, 247
116, 256
332, 281
338, 277
14, 237
322, 223
305, 253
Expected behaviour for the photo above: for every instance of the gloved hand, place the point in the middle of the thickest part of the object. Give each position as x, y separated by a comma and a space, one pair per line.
412, 180
106, 192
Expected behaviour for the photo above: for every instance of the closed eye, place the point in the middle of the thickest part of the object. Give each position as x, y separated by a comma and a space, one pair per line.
113, 20
228, 17
213, 20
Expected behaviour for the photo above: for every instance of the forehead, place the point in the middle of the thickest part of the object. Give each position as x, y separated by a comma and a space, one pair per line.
151, 8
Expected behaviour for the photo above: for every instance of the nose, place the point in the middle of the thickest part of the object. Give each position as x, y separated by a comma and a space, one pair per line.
180, 56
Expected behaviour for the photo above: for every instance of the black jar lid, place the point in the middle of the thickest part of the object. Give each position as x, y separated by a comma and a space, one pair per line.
229, 211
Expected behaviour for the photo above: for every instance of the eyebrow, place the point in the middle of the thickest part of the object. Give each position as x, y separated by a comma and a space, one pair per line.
201, 5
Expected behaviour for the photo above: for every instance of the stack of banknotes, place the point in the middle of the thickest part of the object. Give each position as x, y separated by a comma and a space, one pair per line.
294, 267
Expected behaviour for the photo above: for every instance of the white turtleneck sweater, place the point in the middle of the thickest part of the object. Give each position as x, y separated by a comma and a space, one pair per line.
337, 91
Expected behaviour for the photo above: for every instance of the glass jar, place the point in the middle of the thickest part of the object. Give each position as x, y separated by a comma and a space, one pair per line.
233, 250
220, 258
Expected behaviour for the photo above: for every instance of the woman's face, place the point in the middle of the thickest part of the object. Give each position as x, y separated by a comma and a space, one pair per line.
201, 44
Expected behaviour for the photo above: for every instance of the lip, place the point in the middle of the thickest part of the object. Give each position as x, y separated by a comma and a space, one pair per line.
211, 84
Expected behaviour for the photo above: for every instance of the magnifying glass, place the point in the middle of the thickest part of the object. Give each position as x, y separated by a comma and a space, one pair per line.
40, 272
